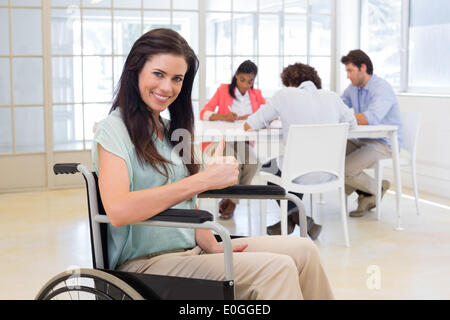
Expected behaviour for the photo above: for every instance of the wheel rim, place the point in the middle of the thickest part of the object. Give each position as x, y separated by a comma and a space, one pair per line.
87, 284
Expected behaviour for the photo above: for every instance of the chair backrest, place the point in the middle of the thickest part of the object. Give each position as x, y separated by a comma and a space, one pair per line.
411, 126
315, 148
98, 231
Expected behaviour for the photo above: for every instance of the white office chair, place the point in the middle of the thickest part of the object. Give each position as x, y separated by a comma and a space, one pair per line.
411, 125
313, 162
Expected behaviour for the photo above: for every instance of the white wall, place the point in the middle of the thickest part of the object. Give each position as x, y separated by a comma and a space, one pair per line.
433, 150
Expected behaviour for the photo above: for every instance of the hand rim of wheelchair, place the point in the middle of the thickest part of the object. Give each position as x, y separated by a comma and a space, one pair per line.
100, 279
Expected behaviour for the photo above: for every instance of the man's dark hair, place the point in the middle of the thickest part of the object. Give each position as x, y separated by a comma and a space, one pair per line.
358, 58
294, 74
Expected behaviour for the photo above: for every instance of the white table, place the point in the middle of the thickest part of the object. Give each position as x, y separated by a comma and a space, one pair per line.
210, 131
213, 131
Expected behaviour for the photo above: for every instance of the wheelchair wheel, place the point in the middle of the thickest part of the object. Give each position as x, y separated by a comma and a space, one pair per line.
87, 284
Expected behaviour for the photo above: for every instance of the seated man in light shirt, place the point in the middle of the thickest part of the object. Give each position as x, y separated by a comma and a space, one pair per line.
374, 103
301, 101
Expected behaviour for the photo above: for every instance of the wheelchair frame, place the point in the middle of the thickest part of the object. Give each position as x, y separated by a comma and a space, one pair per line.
113, 284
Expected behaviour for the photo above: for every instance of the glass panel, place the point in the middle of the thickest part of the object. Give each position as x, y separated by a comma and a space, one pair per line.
3, 2
269, 75
68, 127
186, 23
96, 3
118, 67
380, 37
26, 31
156, 4
92, 114
429, 36
127, 29
66, 75
323, 68
295, 6
97, 32
293, 59
269, 34
4, 32
218, 5
195, 107
218, 72
295, 41
5, 130
5, 82
218, 33
270, 5
320, 37
29, 129
247, 5
195, 88
66, 31
322, 6
132, 4
97, 79
27, 75
65, 3
26, 3
156, 19
185, 4
243, 27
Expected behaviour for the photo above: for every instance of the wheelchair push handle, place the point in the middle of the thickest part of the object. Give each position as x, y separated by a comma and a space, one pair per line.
65, 168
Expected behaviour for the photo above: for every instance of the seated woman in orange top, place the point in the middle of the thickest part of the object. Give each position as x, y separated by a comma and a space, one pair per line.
236, 101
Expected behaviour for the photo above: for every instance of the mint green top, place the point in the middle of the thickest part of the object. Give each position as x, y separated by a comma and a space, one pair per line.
133, 241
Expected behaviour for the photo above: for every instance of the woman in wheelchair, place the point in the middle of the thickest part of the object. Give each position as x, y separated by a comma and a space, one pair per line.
140, 175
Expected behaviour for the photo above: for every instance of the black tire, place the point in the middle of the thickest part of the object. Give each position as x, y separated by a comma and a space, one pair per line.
87, 284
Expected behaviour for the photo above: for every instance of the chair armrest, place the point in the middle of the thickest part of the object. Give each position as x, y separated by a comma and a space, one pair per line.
198, 219
246, 192
183, 215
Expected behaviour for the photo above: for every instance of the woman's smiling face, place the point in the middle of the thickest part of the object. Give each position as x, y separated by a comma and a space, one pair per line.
161, 80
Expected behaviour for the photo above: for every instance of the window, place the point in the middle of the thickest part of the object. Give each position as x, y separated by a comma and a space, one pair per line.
380, 37
69, 74
21, 77
429, 46
271, 33
408, 42
89, 44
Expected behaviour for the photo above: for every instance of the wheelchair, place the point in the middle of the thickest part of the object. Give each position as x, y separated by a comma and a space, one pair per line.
102, 283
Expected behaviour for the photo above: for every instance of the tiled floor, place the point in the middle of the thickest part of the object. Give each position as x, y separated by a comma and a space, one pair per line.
44, 233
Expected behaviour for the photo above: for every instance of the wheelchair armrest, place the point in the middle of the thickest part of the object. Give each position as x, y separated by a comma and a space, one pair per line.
246, 192
198, 219
183, 215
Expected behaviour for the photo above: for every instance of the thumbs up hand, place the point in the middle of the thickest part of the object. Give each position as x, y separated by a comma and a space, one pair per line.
222, 171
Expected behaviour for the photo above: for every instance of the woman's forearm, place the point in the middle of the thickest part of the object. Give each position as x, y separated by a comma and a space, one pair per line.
216, 117
206, 240
132, 207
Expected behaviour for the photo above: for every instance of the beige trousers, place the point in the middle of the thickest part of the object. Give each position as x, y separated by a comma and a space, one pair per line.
246, 157
272, 267
362, 154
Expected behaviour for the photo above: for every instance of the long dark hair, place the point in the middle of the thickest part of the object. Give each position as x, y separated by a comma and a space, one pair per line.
135, 112
245, 67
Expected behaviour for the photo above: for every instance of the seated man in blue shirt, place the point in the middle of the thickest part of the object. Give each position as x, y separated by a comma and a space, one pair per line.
374, 103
